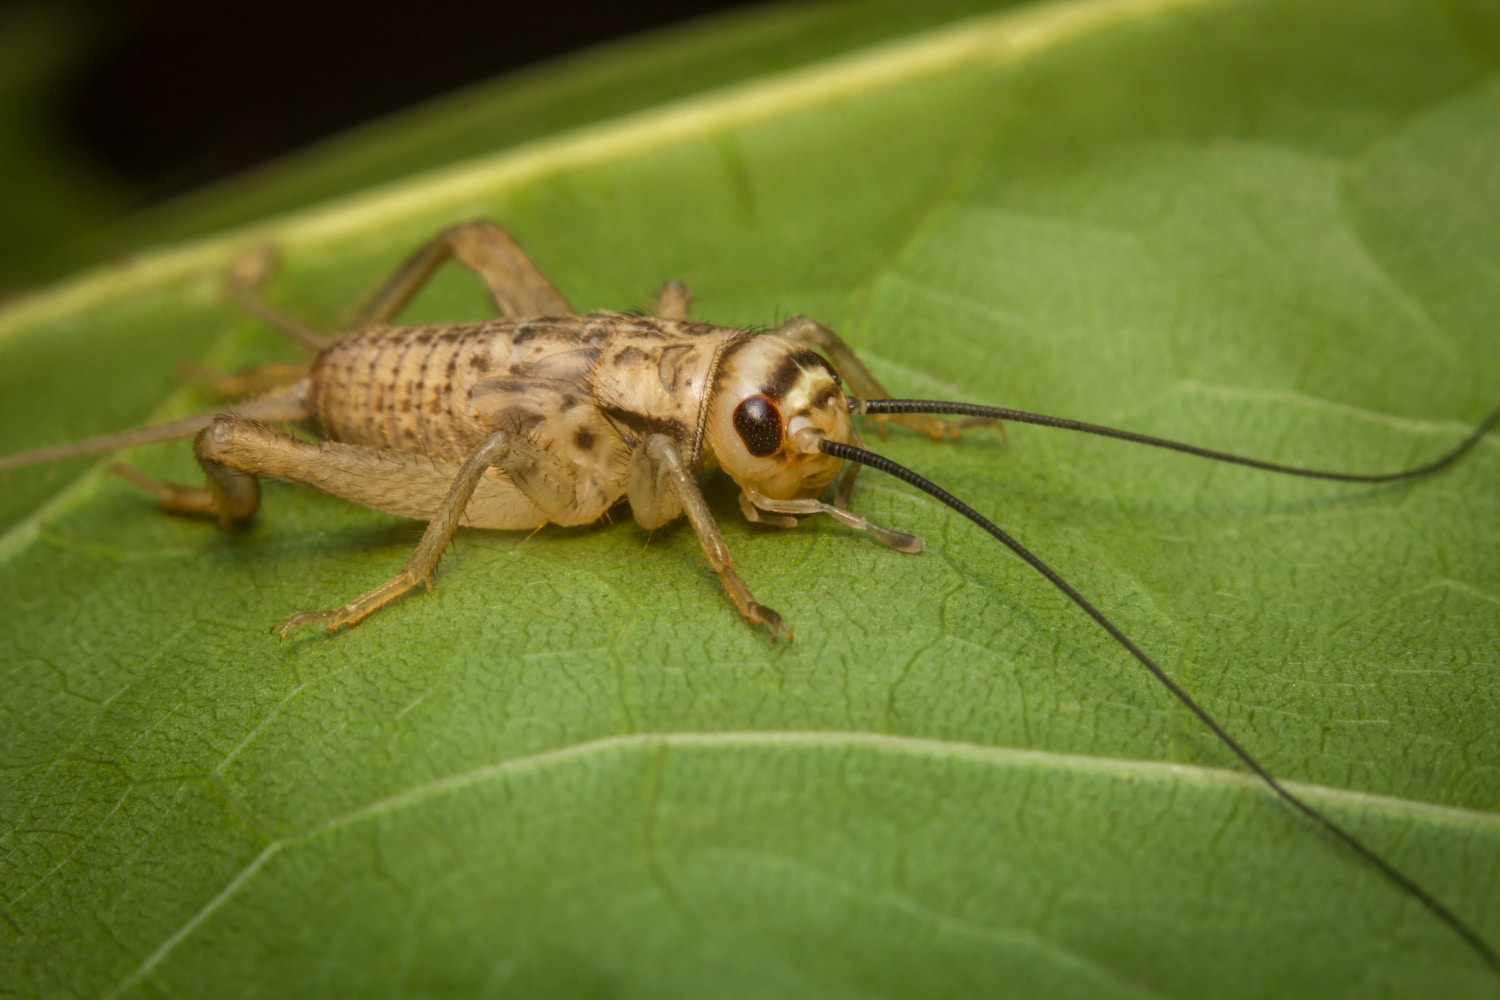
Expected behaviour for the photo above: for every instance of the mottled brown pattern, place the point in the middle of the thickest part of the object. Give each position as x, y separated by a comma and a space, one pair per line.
629, 357
675, 365
589, 388
786, 374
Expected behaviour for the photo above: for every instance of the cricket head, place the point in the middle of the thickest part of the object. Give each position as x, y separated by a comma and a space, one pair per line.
774, 403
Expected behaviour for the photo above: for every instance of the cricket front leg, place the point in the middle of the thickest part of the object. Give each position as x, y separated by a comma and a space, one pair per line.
753, 503
661, 488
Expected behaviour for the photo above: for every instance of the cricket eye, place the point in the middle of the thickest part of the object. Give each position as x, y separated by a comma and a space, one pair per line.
758, 425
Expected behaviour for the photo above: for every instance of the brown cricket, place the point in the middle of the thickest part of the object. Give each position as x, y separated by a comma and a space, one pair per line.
545, 416
541, 416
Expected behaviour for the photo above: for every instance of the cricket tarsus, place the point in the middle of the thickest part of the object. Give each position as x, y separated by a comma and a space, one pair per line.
890, 407
1389, 871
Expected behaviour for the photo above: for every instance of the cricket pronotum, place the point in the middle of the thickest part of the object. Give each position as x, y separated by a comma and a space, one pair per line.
545, 416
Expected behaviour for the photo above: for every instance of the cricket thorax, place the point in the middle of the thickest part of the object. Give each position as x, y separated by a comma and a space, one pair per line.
654, 376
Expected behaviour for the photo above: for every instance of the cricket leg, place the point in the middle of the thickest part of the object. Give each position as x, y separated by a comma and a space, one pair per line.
419, 568
662, 487
757, 516
517, 286
235, 450
395, 482
673, 301
561, 493
231, 496
752, 500
246, 276
248, 382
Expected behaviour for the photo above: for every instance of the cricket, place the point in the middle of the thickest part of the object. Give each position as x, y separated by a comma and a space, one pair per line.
544, 416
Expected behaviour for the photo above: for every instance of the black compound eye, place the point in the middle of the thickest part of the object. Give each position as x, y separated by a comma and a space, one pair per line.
758, 425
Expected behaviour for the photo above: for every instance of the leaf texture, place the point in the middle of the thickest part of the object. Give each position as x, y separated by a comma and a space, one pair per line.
1267, 226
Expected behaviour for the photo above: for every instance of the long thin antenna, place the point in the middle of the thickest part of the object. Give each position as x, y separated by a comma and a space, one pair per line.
879, 407
851, 453
282, 405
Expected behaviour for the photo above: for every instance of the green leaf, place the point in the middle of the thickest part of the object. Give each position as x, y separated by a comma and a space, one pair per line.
1269, 227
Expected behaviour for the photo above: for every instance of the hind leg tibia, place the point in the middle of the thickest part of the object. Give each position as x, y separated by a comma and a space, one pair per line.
517, 286
231, 497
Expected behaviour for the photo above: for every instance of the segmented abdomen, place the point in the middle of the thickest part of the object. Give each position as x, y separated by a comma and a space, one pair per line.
405, 388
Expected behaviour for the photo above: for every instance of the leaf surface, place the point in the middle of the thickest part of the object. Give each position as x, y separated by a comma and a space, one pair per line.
1268, 227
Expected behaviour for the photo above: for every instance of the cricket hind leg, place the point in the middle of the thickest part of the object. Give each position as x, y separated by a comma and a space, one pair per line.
231, 496
247, 275
517, 286
419, 568
235, 448
661, 488
234, 451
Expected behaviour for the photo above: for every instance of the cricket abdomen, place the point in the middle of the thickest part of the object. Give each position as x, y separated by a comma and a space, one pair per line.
405, 388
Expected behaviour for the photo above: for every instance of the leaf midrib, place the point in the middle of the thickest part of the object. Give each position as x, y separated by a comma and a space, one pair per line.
1133, 770
1009, 37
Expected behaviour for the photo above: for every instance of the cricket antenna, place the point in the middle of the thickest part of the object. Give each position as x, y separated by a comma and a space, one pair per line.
889, 407
281, 405
1390, 872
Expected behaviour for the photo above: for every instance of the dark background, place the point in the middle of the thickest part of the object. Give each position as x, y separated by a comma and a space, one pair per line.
170, 95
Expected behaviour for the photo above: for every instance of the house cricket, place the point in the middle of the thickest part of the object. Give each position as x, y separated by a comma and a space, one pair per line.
546, 416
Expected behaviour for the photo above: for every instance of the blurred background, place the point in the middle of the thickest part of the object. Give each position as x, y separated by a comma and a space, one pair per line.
111, 107
167, 95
